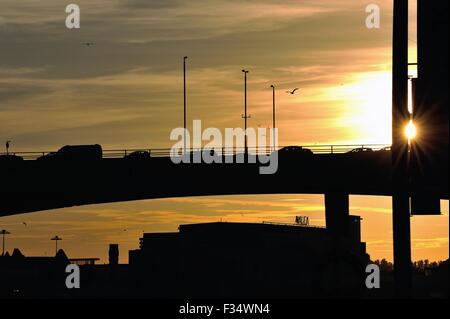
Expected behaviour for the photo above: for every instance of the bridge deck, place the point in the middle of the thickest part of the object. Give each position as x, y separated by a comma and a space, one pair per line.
29, 186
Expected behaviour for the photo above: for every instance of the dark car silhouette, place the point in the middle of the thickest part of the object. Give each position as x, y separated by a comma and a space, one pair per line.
46, 156
360, 150
138, 155
294, 151
75, 152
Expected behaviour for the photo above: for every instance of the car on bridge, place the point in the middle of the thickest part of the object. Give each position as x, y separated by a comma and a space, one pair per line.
75, 152
294, 151
360, 150
138, 155
385, 149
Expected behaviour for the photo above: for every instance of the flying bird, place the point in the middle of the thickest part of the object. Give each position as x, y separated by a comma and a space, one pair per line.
25, 224
87, 43
293, 91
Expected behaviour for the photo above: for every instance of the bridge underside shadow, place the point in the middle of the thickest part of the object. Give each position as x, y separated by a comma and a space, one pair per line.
33, 185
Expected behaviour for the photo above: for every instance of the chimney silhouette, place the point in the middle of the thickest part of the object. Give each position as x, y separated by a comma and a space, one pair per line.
113, 254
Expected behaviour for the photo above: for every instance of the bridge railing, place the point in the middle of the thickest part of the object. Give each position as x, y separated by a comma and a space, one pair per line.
294, 225
225, 151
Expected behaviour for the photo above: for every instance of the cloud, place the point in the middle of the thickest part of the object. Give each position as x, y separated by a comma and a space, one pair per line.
429, 243
152, 4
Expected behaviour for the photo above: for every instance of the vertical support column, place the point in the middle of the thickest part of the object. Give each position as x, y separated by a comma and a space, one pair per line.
337, 213
400, 118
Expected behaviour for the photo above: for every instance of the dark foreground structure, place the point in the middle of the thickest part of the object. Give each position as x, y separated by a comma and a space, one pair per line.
221, 260
250, 261
42, 276
415, 167
210, 260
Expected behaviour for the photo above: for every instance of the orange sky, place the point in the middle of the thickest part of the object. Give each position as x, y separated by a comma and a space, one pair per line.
87, 230
126, 92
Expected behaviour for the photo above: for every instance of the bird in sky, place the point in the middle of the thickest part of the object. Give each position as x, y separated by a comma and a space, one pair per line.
25, 224
293, 91
87, 43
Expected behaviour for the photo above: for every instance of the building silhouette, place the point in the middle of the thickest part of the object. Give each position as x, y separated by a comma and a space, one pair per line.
42, 277
220, 260
249, 260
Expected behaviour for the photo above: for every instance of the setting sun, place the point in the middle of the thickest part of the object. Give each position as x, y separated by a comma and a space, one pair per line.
411, 130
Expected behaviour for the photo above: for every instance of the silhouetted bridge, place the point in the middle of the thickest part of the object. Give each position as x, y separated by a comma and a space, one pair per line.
33, 185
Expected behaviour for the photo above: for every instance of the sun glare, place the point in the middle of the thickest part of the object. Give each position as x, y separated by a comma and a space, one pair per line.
368, 114
410, 130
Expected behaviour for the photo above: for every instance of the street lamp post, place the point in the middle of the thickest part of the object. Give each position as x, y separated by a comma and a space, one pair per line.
245, 117
184, 100
56, 239
4, 233
273, 114
7, 147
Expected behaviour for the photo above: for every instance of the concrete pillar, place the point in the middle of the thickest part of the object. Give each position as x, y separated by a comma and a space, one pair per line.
400, 118
337, 213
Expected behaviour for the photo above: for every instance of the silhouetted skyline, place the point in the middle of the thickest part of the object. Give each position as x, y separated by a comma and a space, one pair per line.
122, 87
